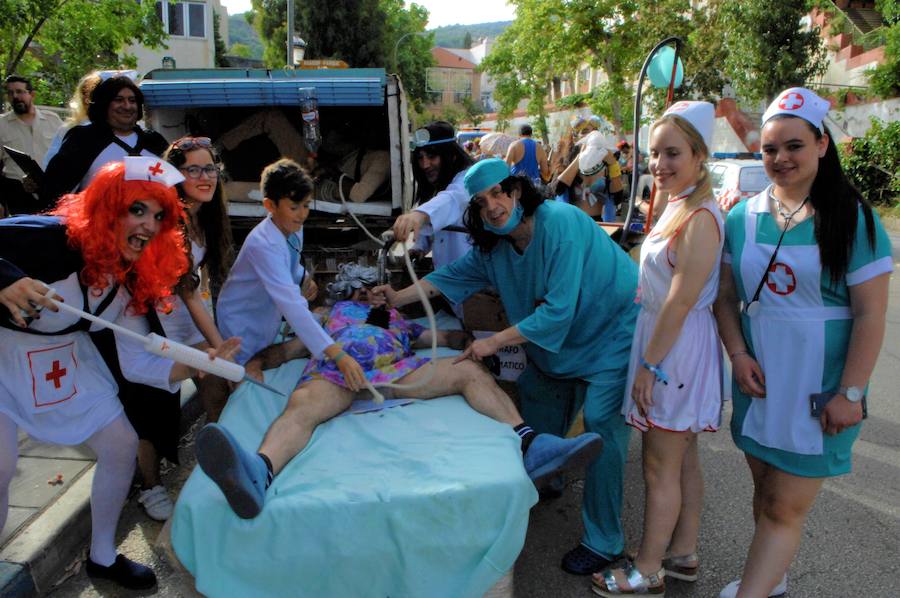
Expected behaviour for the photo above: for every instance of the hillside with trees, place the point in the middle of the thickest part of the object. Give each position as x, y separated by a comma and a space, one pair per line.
240, 31
455, 36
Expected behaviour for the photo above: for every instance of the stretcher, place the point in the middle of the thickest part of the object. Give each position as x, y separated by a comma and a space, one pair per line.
428, 499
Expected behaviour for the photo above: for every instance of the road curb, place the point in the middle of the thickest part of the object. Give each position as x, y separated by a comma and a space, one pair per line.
37, 557
50, 542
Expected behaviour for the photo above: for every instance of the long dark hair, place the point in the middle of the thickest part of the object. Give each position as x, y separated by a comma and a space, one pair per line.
212, 218
836, 202
454, 159
529, 198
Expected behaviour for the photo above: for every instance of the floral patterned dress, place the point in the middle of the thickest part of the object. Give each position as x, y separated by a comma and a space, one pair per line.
384, 353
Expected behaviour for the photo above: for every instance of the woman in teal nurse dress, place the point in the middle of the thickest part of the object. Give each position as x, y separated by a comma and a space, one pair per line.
801, 311
569, 293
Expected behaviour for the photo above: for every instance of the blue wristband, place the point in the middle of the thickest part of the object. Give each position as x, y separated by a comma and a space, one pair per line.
656, 371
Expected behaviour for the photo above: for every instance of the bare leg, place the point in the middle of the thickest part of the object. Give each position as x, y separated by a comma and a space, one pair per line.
663, 457
310, 405
467, 378
115, 447
148, 464
213, 392
9, 454
783, 502
684, 538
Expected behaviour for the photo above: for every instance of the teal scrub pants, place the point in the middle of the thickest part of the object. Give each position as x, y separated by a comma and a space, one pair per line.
550, 405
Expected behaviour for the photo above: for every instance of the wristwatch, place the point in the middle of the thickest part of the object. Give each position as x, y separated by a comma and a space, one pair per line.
854, 394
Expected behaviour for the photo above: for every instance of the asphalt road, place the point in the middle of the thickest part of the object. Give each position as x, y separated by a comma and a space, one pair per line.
850, 547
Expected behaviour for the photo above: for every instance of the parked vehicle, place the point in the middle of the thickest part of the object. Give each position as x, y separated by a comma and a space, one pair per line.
368, 103
736, 180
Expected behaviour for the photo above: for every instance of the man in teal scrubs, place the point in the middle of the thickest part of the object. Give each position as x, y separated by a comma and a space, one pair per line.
569, 292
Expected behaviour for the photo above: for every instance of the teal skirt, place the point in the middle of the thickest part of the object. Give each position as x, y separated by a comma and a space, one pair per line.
835, 459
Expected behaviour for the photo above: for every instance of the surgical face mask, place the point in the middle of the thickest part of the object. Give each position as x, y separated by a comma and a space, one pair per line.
512, 222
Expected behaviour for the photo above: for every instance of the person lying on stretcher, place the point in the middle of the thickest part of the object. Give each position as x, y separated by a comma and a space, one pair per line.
381, 340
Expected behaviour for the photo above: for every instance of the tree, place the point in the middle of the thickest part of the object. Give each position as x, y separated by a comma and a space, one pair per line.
473, 113
885, 78
58, 41
467, 40
218, 42
413, 52
768, 49
241, 50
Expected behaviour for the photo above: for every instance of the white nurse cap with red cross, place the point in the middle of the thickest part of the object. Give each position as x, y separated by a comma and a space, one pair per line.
701, 115
799, 102
153, 169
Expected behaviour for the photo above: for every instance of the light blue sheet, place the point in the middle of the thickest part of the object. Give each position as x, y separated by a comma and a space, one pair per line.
429, 499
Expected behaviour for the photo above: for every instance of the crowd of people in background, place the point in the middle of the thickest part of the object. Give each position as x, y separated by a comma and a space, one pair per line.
793, 284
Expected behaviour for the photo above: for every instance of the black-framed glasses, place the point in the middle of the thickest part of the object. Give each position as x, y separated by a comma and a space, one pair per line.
193, 172
188, 143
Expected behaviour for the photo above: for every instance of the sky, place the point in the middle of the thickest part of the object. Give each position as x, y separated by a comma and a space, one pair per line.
441, 12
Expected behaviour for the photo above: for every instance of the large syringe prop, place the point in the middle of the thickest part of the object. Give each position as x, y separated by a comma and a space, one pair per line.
164, 347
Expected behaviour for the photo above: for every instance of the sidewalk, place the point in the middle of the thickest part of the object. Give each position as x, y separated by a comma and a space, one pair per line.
49, 523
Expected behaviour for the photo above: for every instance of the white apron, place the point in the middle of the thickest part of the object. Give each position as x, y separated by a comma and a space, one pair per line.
58, 388
788, 337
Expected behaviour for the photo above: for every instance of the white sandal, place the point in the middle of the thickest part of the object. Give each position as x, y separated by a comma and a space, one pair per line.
731, 590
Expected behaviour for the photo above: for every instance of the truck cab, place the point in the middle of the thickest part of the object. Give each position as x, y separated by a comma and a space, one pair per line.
253, 117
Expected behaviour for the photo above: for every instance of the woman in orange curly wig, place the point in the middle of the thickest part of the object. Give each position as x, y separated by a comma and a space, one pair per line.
113, 250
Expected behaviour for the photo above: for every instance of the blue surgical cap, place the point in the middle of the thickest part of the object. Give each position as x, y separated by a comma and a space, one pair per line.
484, 175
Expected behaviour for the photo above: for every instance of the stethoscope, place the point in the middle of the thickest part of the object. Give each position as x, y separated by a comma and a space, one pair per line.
752, 308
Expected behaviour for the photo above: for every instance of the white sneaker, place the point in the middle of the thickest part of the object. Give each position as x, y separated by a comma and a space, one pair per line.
730, 591
156, 503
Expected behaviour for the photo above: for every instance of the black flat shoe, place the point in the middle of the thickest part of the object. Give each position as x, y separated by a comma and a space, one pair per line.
581, 560
124, 572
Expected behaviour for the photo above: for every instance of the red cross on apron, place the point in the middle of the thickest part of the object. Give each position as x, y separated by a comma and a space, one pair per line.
53, 374
781, 279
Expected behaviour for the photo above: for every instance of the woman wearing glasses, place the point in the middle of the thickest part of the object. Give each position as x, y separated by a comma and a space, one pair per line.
186, 320
801, 311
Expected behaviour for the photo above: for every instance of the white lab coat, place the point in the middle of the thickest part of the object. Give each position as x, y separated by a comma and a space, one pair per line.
262, 288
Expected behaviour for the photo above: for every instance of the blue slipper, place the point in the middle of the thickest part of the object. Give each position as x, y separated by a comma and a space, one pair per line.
549, 455
240, 475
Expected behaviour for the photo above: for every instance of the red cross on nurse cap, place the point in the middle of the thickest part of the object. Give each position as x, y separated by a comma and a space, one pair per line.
800, 102
153, 169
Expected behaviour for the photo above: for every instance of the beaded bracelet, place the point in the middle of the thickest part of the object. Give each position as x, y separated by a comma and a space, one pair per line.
731, 356
656, 371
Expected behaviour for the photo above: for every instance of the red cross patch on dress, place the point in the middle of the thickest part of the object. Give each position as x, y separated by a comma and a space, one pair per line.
53, 374
781, 279
790, 101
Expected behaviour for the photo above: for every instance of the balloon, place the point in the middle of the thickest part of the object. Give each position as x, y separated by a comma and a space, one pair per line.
660, 68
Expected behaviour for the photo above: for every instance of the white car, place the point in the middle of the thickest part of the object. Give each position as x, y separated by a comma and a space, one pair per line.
736, 180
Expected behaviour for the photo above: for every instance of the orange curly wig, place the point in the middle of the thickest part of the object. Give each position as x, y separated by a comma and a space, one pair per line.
93, 226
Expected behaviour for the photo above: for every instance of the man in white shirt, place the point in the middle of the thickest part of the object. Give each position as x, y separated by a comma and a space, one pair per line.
29, 130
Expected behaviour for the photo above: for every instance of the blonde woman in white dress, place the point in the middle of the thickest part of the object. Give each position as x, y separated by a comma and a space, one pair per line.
675, 374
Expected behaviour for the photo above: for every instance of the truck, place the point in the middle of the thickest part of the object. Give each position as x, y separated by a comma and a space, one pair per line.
359, 109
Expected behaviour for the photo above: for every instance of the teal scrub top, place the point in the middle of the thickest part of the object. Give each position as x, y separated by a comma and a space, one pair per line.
571, 293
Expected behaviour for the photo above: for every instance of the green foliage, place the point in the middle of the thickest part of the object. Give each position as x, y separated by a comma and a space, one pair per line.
363, 33
410, 46
473, 113
766, 37
218, 42
885, 78
467, 40
453, 36
574, 101
57, 41
873, 162
240, 50
240, 31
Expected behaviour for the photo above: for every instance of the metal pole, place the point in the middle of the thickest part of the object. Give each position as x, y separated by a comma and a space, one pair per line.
290, 33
